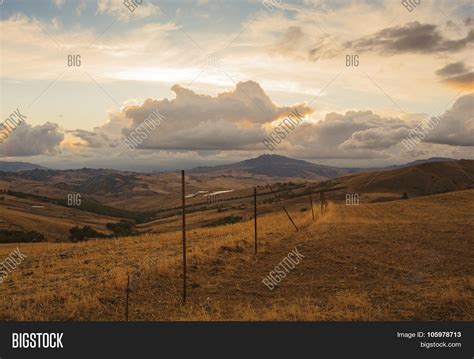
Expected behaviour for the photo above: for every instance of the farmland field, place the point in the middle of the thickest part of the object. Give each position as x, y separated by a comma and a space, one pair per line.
399, 260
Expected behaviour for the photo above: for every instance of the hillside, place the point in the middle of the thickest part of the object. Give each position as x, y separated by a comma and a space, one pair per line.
18, 166
419, 162
355, 267
417, 180
277, 166
37, 200
148, 192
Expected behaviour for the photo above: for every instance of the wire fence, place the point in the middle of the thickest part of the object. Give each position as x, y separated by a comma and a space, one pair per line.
258, 197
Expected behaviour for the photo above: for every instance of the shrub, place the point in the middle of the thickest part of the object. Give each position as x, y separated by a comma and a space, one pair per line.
7, 236
122, 229
80, 234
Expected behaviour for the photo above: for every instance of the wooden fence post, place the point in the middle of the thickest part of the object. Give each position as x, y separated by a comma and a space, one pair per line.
321, 200
311, 201
255, 215
278, 199
126, 297
183, 189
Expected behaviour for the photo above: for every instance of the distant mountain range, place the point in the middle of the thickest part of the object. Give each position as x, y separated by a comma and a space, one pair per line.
19, 166
265, 165
281, 166
277, 166
108, 195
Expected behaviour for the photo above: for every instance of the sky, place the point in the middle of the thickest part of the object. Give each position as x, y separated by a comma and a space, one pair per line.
165, 85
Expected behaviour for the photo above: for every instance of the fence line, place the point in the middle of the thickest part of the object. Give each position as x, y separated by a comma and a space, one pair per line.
311, 201
278, 200
183, 196
323, 203
255, 215
183, 188
126, 297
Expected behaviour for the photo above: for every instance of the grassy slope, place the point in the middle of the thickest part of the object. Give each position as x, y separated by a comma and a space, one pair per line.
423, 179
397, 260
53, 221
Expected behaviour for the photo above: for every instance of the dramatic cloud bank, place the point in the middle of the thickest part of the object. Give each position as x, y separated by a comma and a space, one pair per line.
29, 140
239, 120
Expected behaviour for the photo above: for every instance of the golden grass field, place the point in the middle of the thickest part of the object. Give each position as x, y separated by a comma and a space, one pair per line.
401, 260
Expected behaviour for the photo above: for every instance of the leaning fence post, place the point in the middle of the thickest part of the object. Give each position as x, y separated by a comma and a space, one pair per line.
184, 234
255, 215
282, 206
311, 201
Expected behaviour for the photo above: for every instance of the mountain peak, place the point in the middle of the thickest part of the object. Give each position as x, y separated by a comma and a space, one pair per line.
273, 165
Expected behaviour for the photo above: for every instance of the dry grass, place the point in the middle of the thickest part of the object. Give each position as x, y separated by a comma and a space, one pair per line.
401, 260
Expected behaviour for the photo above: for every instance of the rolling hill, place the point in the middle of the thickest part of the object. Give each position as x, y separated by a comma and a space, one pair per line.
18, 166
277, 166
404, 260
418, 162
37, 199
417, 180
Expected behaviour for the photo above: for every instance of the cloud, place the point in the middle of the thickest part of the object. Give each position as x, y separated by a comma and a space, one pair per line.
463, 81
232, 120
108, 135
291, 37
364, 134
355, 134
377, 138
93, 139
457, 75
26, 48
80, 7
452, 69
239, 120
412, 37
118, 9
229, 120
27, 140
298, 44
58, 3
456, 125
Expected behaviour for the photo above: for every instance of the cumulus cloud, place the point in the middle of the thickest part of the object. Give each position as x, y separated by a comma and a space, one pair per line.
456, 125
236, 120
93, 139
355, 134
364, 134
27, 140
412, 37
376, 138
108, 135
198, 123
230, 120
